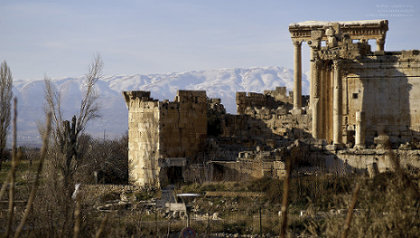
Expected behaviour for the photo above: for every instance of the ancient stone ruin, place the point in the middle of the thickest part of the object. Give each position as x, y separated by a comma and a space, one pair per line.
163, 134
361, 111
355, 93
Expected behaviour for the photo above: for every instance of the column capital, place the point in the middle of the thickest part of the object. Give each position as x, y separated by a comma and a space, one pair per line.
337, 63
314, 48
297, 43
317, 63
314, 44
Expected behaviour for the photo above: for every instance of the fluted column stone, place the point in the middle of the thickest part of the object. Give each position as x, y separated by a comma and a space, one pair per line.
316, 101
337, 104
297, 91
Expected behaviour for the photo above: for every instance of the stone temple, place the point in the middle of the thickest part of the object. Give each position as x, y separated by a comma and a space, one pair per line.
361, 101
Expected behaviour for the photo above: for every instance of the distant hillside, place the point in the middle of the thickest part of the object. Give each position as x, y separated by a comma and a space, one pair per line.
220, 83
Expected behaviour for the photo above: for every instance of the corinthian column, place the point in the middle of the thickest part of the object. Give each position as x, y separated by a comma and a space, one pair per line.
297, 91
337, 105
316, 89
314, 47
311, 74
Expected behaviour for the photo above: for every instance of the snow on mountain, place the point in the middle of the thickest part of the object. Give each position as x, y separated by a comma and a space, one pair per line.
220, 83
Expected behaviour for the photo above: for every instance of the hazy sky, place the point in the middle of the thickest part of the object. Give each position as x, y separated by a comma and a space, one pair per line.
59, 38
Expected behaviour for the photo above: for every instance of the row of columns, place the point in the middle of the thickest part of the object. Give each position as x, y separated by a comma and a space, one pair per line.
317, 113
297, 91
316, 72
316, 101
315, 93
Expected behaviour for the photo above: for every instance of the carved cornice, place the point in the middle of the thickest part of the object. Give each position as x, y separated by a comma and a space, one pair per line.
329, 54
356, 30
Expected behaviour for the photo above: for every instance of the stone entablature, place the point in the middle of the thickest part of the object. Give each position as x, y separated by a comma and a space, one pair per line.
357, 30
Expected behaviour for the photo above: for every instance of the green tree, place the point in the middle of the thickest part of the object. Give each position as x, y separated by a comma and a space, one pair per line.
6, 94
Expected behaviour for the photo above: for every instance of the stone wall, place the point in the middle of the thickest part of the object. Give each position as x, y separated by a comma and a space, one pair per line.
270, 99
272, 108
163, 131
279, 94
386, 87
143, 138
360, 160
247, 146
235, 170
183, 124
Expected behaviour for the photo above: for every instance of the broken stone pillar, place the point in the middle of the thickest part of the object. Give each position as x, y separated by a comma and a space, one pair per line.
337, 105
297, 91
360, 130
316, 112
380, 44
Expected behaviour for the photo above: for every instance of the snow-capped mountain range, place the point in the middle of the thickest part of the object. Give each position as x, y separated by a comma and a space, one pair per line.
220, 83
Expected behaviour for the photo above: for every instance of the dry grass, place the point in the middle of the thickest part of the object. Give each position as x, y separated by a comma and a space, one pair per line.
384, 209
387, 206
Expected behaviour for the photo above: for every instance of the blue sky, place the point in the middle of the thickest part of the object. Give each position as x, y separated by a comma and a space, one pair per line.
59, 38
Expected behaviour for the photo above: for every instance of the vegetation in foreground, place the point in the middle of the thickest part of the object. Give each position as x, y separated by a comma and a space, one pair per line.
387, 206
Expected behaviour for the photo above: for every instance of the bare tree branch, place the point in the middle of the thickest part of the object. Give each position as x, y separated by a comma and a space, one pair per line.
89, 107
67, 132
53, 106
